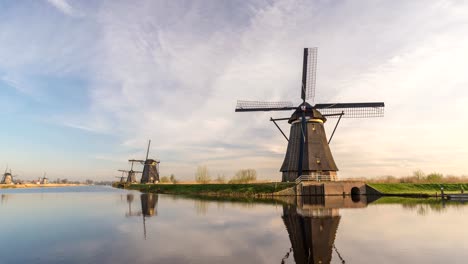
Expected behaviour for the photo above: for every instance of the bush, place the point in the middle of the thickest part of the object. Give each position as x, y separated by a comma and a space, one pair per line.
419, 175
202, 175
434, 177
244, 176
165, 179
173, 179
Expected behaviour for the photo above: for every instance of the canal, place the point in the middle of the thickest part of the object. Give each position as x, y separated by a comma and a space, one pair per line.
106, 225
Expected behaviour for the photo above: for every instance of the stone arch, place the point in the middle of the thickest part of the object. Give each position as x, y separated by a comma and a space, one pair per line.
355, 191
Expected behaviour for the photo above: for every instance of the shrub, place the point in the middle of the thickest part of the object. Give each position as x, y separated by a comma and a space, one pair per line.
434, 177
419, 175
165, 179
173, 179
202, 175
244, 176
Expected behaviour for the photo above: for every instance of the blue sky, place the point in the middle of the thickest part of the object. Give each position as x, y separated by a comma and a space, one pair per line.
84, 84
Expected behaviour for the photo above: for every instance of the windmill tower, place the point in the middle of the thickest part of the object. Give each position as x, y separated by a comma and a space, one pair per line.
308, 153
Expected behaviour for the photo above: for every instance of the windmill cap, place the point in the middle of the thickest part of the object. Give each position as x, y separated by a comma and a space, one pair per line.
310, 112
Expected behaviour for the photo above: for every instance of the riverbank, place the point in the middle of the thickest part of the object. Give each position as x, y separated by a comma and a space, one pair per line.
417, 189
258, 190
23, 186
226, 190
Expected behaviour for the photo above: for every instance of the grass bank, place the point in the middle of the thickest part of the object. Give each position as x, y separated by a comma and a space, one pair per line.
423, 189
225, 190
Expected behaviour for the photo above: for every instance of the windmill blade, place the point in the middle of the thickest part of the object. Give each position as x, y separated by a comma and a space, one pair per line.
309, 70
352, 110
252, 106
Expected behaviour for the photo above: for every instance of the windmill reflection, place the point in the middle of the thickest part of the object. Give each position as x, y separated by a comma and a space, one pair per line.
312, 225
3, 198
148, 207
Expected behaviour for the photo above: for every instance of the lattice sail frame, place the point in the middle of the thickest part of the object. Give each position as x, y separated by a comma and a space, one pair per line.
352, 110
247, 106
311, 74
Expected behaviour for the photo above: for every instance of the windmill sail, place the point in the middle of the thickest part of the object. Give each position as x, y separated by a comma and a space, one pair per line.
252, 106
309, 70
352, 110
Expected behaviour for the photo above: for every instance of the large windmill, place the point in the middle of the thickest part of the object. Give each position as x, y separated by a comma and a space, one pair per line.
308, 152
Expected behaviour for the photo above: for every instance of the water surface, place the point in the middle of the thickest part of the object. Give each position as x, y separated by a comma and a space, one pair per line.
105, 225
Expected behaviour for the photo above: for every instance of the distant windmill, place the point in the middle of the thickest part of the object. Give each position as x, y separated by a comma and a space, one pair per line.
44, 180
7, 177
308, 151
122, 178
131, 174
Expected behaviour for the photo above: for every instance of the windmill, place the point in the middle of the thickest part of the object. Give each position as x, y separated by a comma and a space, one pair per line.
7, 177
122, 178
150, 168
308, 152
44, 180
131, 174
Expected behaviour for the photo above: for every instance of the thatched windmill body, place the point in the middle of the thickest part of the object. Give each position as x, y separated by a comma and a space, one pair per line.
308, 152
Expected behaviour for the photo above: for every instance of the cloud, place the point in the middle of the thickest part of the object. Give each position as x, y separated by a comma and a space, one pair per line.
173, 73
63, 6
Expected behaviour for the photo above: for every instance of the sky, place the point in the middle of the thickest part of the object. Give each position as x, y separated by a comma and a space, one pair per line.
85, 84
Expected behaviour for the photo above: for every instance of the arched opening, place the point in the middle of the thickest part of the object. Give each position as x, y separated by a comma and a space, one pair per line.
355, 194
355, 191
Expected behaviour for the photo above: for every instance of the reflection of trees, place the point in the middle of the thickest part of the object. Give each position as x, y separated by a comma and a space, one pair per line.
436, 206
423, 206
312, 233
201, 207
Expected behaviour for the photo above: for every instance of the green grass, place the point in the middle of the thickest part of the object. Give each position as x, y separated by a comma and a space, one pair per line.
249, 190
417, 188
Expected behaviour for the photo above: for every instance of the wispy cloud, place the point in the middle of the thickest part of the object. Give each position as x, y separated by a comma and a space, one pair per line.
63, 6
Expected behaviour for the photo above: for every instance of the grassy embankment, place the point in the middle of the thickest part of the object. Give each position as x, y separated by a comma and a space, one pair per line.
422, 189
226, 190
